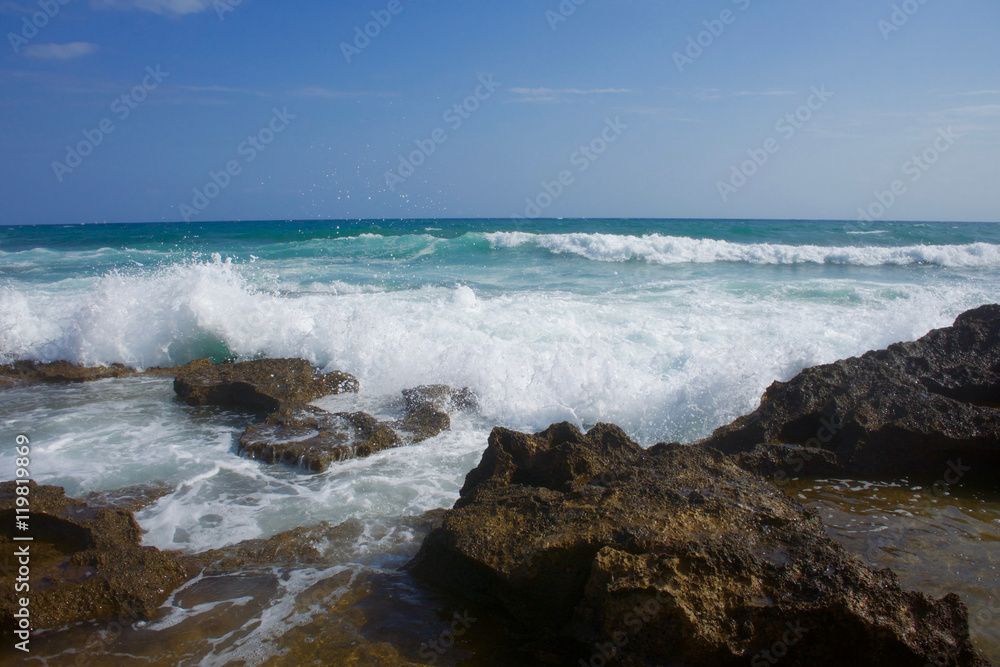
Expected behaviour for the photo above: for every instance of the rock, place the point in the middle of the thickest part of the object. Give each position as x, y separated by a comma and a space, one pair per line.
60, 372
910, 409
173, 371
86, 562
64, 372
320, 545
673, 555
427, 409
266, 385
130, 498
440, 397
423, 423
314, 439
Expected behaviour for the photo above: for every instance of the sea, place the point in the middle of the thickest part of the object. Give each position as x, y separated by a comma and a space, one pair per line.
667, 328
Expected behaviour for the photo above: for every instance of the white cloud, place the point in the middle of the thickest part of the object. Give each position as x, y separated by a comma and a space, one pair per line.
764, 93
169, 7
60, 51
319, 92
555, 94
223, 89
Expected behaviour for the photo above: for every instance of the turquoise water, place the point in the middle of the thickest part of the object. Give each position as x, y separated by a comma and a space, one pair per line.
670, 327
667, 328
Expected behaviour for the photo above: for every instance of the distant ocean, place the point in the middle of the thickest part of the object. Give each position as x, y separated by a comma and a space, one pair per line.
668, 328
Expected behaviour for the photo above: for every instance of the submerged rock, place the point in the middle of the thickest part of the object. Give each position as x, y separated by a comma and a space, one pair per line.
923, 408
86, 562
265, 385
673, 555
130, 498
314, 438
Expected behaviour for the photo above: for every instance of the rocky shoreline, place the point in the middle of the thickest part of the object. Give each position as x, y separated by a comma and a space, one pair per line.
597, 551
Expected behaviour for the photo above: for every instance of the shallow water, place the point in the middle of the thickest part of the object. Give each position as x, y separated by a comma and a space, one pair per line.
937, 539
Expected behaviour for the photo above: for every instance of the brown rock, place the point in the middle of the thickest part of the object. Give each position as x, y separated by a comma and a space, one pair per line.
266, 385
60, 372
314, 439
86, 562
427, 409
673, 556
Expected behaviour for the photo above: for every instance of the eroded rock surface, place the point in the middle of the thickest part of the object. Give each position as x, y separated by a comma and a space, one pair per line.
314, 439
86, 562
427, 410
265, 385
909, 409
673, 555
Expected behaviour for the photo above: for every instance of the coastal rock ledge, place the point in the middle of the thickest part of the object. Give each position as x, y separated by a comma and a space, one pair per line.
611, 555
920, 408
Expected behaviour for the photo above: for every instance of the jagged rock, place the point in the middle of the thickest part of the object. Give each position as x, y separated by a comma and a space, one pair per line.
423, 423
673, 555
909, 409
86, 562
266, 385
427, 409
314, 439
440, 397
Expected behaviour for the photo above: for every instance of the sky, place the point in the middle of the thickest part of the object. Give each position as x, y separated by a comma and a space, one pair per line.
171, 110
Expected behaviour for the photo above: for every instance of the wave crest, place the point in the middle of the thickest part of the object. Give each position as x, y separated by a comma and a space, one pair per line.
657, 249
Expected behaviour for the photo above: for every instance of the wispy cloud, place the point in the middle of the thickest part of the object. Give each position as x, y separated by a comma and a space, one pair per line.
764, 93
556, 94
979, 92
712, 94
163, 7
223, 89
319, 92
60, 51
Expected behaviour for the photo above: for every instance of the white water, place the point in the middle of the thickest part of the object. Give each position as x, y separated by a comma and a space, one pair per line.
658, 249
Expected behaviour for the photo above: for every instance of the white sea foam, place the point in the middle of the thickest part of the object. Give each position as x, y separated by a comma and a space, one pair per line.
657, 249
669, 360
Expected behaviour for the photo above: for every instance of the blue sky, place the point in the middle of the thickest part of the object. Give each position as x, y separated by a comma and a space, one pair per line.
600, 100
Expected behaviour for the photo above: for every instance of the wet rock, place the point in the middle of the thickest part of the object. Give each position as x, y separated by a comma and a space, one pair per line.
314, 439
197, 365
64, 372
320, 545
674, 555
423, 423
60, 372
912, 409
265, 386
427, 409
130, 498
440, 397
86, 562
